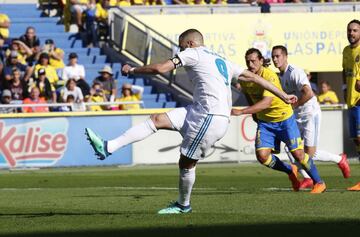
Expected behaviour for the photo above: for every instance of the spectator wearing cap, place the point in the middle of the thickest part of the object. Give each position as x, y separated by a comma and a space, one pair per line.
17, 86
22, 49
33, 42
6, 100
130, 93
4, 25
35, 99
56, 54
12, 62
47, 90
50, 70
107, 82
77, 72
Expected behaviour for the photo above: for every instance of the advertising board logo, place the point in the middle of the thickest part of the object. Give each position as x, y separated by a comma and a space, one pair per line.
33, 144
260, 39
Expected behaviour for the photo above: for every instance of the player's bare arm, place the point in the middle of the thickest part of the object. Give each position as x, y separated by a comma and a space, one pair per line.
251, 77
307, 94
157, 68
255, 108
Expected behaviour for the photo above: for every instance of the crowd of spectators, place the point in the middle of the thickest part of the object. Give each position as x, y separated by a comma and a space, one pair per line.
34, 72
91, 16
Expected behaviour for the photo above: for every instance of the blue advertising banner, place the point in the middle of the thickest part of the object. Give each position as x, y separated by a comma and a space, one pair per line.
59, 141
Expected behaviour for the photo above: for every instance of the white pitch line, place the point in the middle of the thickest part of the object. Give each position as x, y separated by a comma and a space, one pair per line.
290, 189
116, 188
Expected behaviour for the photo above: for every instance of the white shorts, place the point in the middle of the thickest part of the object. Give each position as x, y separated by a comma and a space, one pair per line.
78, 8
309, 126
199, 131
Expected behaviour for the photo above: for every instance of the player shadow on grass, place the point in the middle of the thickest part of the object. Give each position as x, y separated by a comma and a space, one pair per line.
341, 227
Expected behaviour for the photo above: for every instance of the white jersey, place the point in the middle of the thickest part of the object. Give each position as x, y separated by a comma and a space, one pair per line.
292, 82
211, 75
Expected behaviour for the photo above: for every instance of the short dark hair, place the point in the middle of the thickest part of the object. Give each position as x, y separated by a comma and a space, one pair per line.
282, 48
356, 21
190, 31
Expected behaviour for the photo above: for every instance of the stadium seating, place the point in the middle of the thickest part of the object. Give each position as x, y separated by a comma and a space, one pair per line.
25, 15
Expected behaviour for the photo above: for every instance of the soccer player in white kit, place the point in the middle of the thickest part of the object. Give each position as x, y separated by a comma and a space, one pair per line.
307, 112
202, 123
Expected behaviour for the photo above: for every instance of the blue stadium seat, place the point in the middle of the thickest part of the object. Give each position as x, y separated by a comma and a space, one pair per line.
153, 104
170, 104
20, 28
25, 15
33, 20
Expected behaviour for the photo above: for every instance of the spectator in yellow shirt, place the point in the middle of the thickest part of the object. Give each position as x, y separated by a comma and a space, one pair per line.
97, 95
327, 96
123, 3
56, 54
50, 70
4, 26
21, 48
130, 93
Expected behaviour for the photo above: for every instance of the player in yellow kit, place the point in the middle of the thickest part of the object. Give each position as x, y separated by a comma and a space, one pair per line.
276, 122
351, 74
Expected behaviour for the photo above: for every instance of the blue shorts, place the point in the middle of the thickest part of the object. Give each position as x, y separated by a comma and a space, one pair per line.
269, 135
354, 121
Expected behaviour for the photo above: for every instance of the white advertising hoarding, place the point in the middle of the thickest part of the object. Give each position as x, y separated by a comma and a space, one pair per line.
237, 145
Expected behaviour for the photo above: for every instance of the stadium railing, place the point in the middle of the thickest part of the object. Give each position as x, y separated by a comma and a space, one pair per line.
76, 106
245, 8
142, 45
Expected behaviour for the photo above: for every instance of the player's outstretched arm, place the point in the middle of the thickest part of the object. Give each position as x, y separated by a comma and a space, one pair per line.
252, 77
157, 68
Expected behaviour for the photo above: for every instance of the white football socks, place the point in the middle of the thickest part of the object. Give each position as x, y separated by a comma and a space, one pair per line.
326, 156
134, 134
186, 182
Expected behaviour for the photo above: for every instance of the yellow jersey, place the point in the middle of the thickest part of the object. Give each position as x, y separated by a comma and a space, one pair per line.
101, 12
351, 67
4, 31
278, 110
331, 95
222, 2
21, 58
84, 1
95, 98
51, 74
57, 64
135, 97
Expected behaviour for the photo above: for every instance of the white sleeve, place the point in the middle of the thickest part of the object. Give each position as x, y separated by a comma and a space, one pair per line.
189, 57
137, 89
236, 70
79, 92
300, 79
82, 71
64, 75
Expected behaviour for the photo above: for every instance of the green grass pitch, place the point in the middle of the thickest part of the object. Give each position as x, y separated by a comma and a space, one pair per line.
228, 200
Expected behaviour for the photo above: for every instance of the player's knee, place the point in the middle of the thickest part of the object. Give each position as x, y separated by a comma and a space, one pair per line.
157, 120
186, 163
262, 157
298, 155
